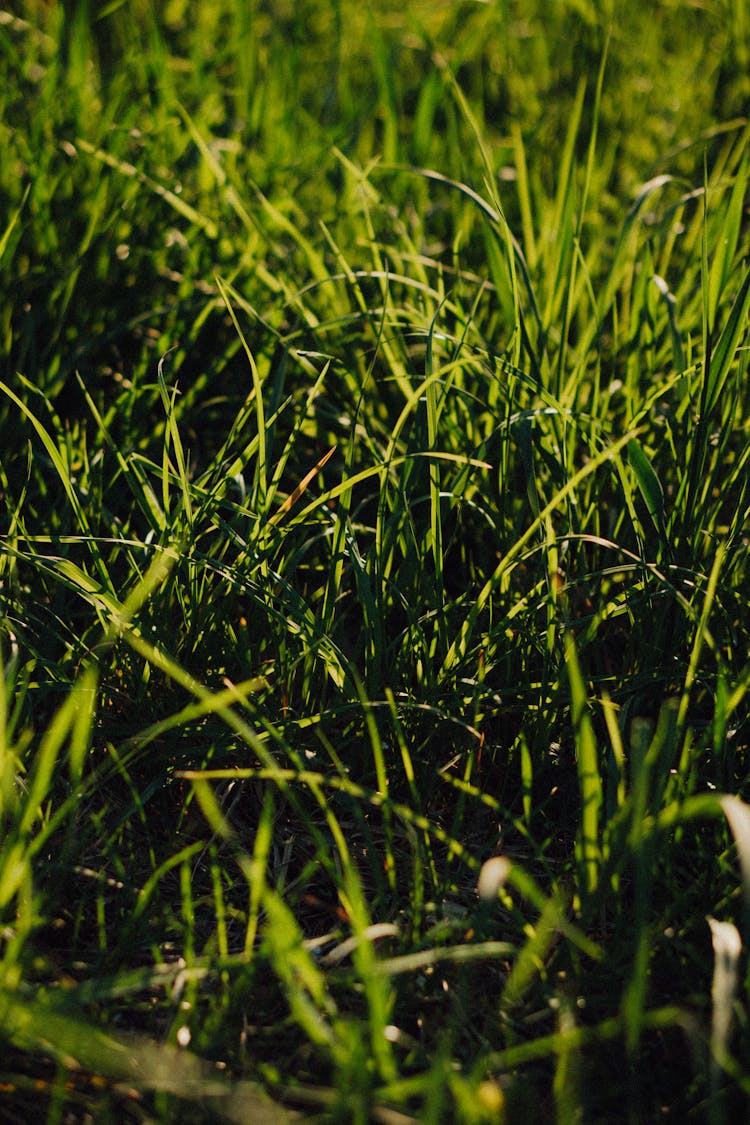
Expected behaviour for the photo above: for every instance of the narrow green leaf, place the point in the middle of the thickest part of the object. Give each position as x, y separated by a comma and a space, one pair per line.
589, 779
727, 243
726, 346
678, 354
649, 486
5, 237
305, 985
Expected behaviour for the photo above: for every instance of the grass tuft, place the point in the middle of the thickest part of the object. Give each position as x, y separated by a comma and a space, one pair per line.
374, 562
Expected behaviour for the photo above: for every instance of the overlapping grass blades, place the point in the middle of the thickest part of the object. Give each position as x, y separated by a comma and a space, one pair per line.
374, 561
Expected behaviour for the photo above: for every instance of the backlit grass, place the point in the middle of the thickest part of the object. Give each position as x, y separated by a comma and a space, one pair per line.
374, 562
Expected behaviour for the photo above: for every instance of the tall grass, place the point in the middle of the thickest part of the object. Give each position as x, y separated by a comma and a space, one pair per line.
373, 719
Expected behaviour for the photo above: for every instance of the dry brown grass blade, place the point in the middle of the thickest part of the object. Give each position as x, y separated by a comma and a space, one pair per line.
301, 488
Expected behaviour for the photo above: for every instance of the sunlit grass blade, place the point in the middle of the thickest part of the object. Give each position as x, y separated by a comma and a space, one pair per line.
181, 206
55, 1028
5, 237
725, 349
723, 260
57, 456
173, 440
306, 988
261, 463
459, 644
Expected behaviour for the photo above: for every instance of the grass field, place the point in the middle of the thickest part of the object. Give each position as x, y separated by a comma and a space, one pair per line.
374, 578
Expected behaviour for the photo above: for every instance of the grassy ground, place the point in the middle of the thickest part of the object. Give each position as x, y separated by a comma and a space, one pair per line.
374, 568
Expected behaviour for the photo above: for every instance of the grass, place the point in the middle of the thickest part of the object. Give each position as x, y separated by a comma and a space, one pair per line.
374, 569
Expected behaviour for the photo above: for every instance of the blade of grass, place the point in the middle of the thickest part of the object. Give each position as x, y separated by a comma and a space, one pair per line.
589, 779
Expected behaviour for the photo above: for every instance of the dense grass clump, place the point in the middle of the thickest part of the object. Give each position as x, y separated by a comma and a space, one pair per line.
374, 562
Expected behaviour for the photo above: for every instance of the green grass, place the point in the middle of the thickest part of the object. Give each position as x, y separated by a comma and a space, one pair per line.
374, 562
